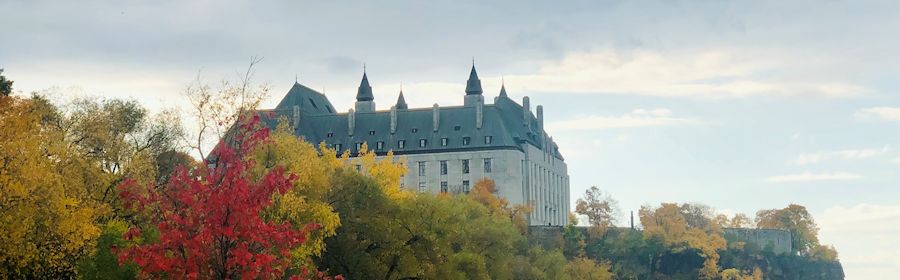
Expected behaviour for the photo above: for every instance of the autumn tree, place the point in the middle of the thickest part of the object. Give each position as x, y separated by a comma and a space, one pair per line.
600, 209
485, 192
209, 219
685, 227
47, 221
583, 268
804, 231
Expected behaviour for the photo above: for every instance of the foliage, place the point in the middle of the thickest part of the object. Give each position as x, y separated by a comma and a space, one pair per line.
583, 268
795, 218
485, 192
46, 221
686, 228
104, 264
600, 209
209, 219
5, 85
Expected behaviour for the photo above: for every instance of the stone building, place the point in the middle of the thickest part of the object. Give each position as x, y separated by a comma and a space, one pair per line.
447, 148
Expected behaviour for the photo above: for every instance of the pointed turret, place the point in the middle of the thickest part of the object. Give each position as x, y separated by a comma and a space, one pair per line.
401, 102
473, 86
364, 93
503, 91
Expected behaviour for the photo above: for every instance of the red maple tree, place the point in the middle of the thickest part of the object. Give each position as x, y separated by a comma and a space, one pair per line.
209, 219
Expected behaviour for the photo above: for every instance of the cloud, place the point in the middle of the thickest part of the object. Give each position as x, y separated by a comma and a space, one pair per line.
866, 237
711, 74
879, 113
635, 118
811, 177
857, 154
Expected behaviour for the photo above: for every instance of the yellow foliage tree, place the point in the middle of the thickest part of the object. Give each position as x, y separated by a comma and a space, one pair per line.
485, 192
686, 227
46, 224
584, 268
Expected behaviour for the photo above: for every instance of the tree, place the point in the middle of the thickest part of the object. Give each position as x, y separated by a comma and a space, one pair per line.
485, 192
209, 219
5, 85
794, 218
583, 268
47, 223
599, 207
683, 228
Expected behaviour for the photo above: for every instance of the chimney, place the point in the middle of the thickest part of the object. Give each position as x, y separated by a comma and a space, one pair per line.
393, 119
540, 116
526, 111
632, 220
295, 120
436, 117
479, 112
351, 122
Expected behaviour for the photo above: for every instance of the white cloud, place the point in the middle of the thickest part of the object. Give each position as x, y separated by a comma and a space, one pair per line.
810, 177
635, 118
709, 74
866, 236
880, 113
851, 154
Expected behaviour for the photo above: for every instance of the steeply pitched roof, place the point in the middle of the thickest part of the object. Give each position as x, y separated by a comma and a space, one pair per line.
401, 102
364, 93
473, 85
309, 100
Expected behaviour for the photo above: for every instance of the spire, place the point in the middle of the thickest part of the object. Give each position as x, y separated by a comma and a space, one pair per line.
365, 90
473, 86
401, 102
503, 88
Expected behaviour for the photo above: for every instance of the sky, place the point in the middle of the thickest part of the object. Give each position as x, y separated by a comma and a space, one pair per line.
740, 105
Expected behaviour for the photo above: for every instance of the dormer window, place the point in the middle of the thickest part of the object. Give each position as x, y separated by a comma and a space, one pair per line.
444, 142
466, 141
423, 143
457, 128
371, 132
414, 130
330, 134
488, 139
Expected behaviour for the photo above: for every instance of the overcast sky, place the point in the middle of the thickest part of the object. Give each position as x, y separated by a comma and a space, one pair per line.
741, 105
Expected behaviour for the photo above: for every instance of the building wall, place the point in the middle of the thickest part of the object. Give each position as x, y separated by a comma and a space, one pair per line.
531, 177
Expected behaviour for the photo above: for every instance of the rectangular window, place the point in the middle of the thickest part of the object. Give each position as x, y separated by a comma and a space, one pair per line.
466, 186
465, 166
358, 168
466, 141
330, 134
443, 167
421, 169
358, 146
487, 165
401, 144
421, 186
414, 130
379, 145
444, 142
488, 139
456, 128
423, 143
371, 132
337, 147
443, 186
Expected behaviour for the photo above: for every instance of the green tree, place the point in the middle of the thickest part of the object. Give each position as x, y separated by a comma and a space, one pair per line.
5, 85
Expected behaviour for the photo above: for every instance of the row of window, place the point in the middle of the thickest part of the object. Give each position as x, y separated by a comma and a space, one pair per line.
488, 168
401, 144
445, 188
372, 132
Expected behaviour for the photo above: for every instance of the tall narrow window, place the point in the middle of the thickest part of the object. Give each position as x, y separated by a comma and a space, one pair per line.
443, 167
423, 143
421, 169
466, 186
358, 146
444, 142
379, 145
337, 147
466, 141
488, 139
422, 187
465, 166
444, 186
487, 165
401, 144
